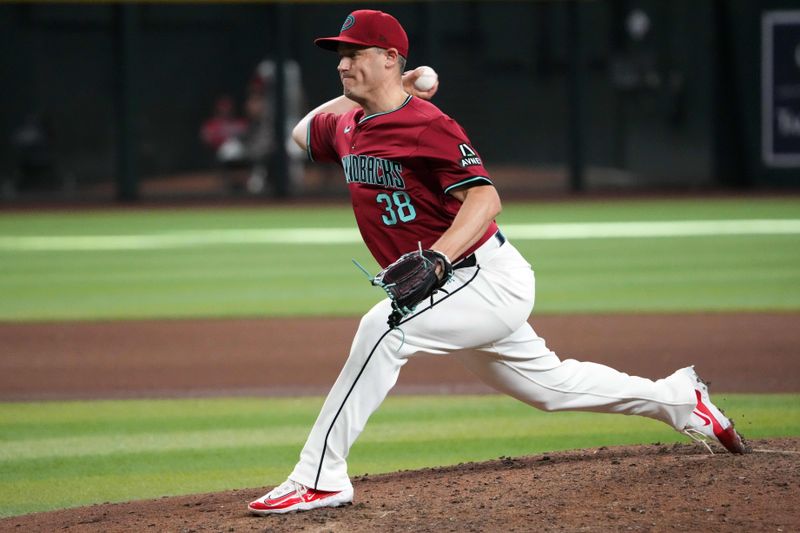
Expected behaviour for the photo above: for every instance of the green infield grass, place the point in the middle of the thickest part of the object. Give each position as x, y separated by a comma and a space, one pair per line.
294, 261
62, 454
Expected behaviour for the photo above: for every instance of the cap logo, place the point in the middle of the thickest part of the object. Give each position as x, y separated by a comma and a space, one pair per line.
348, 23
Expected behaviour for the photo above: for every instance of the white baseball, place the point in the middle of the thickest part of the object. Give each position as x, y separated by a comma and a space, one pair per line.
426, 80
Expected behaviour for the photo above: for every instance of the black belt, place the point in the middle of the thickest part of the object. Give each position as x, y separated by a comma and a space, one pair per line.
471, 260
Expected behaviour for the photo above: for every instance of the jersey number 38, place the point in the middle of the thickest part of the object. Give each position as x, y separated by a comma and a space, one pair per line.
397, 206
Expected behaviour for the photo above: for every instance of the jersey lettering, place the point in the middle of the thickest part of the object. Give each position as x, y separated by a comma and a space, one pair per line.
371, 170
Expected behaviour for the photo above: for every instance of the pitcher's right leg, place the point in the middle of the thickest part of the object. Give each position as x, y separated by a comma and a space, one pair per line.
371, 370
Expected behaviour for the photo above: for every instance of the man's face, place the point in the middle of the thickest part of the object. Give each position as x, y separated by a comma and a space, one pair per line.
361, 69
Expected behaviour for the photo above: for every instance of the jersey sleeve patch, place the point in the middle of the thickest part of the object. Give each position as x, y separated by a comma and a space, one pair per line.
468, 156
450, 156
469, 182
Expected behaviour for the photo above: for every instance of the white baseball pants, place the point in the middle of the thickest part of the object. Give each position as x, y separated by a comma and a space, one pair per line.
487, 309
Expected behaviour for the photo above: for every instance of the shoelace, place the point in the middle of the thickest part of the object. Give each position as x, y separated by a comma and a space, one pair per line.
287, 487
698, 436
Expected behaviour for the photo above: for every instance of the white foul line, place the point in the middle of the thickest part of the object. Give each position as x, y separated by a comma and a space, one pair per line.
559, 231
678, 228
765, 450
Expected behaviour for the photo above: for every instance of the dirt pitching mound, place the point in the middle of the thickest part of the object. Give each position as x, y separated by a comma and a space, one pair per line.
640, 488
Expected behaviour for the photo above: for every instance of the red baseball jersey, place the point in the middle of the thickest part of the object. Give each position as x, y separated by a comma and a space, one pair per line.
400, 166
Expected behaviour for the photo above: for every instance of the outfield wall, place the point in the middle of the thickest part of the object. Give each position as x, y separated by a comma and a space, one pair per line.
670, 93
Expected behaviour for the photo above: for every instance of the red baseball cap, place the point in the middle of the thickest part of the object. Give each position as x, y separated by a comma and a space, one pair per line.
366, 27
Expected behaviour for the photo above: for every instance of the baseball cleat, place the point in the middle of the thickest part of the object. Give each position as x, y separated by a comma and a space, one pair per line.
707, 421
291, 496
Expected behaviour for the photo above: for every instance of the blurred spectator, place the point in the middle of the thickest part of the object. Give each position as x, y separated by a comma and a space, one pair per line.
250, 141
261, 112
634, 67
223, 133
223, 125
35, 160
224, 130
260, 136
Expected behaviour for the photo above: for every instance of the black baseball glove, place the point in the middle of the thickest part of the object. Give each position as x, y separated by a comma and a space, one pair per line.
411, 279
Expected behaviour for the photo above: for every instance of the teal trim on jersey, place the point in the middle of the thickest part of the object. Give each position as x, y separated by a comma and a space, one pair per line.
308, 140
466, 181
401, 106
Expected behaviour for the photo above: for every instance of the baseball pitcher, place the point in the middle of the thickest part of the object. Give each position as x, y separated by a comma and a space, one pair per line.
426, 207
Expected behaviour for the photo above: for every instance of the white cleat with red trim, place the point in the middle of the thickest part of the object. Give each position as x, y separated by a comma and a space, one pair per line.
708, 422
291, 496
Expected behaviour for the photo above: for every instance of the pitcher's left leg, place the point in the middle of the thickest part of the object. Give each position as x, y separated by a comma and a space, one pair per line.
523, 367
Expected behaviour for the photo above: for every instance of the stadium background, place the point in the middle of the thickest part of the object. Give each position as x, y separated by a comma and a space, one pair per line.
557, 95
125, 255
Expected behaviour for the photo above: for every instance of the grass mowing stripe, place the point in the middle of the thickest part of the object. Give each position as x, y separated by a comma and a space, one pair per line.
696, 274
731, 273
51, 459
677, 228
111, 222
605, 275
95, 445
335, 236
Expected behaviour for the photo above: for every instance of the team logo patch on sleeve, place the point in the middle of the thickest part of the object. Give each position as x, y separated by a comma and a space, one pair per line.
468, 156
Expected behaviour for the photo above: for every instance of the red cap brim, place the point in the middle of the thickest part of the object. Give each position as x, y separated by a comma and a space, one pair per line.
332, 43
